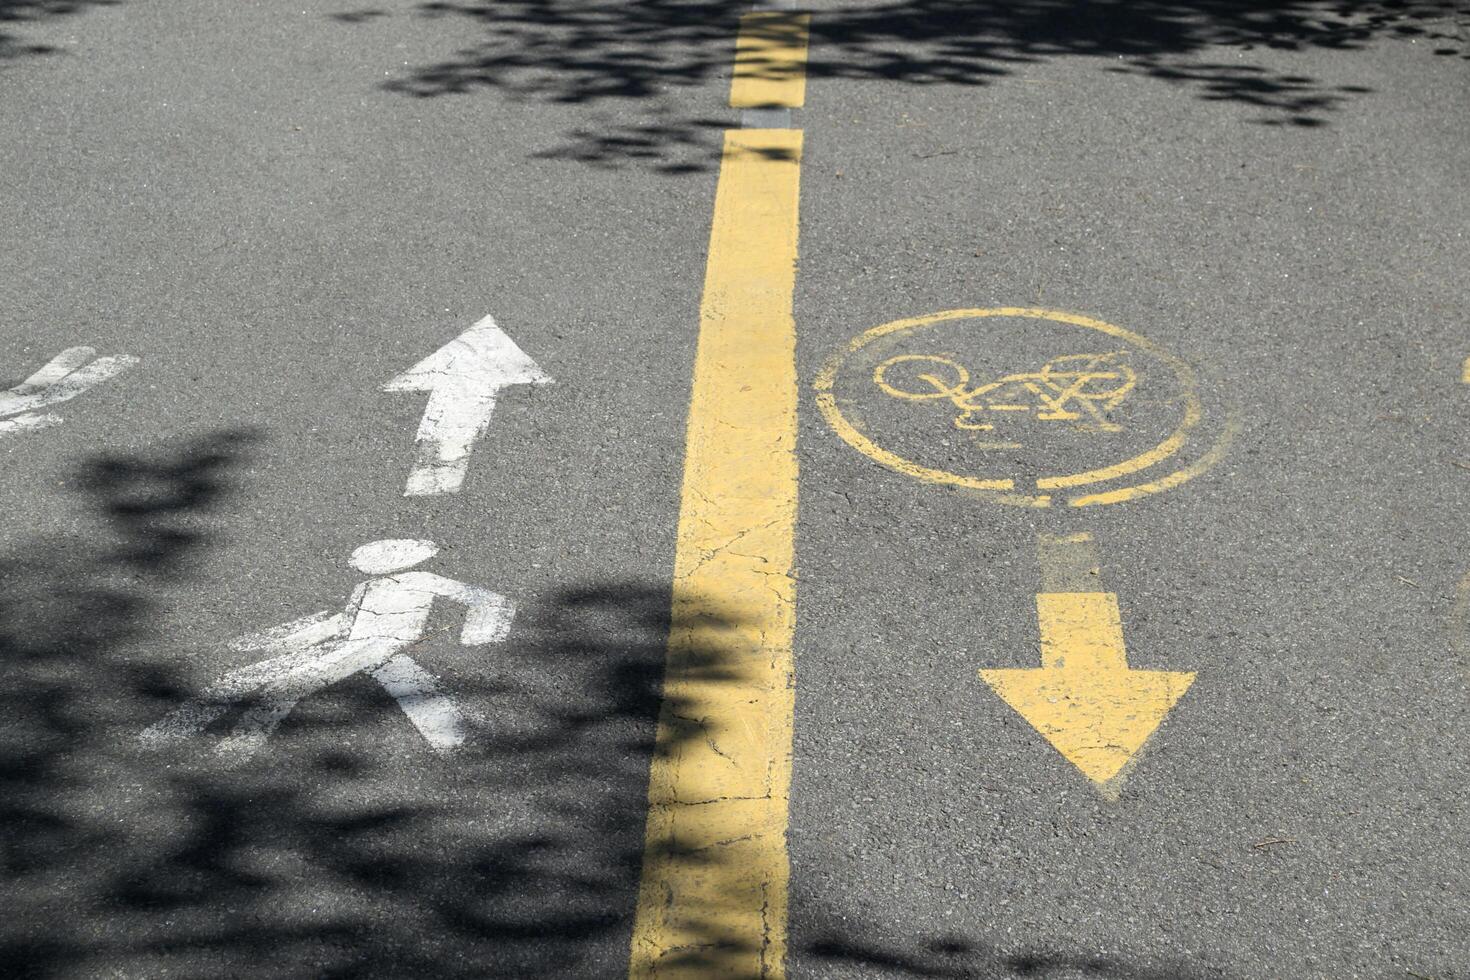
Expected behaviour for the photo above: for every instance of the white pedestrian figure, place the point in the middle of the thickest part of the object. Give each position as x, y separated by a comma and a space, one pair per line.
64, 377
385, 616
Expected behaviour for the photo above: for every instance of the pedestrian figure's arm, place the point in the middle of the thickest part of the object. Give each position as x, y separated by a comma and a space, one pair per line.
489, 618
299, 634
490, 613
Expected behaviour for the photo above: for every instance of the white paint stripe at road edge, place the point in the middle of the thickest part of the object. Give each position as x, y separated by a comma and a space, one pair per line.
463, 378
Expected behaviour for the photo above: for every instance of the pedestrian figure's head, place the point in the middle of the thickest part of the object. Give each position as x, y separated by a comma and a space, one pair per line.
392, 555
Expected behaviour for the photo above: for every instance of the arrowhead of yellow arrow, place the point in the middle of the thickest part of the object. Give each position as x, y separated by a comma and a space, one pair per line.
1086, 701
1096, 721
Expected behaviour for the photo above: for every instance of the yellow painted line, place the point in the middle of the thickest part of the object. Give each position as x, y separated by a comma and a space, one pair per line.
770, 61
1084, 698
848, 428
1209, 459
1165, 449
712, 901
827, 404
1460, 618
1465, 371
1069, 563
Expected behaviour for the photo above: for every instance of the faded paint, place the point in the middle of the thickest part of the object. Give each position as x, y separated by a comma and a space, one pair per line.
61, 379
1003, 489
712, 902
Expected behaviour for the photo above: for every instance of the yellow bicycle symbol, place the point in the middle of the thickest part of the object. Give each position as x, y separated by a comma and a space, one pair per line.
1094, 383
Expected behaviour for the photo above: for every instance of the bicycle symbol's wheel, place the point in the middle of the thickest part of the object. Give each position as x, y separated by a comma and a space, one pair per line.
921, 377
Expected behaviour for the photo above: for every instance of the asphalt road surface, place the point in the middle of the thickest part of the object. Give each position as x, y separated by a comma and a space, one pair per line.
1062, 575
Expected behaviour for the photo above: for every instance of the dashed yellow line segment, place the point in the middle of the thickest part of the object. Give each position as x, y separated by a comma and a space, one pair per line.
770, 61
712, 898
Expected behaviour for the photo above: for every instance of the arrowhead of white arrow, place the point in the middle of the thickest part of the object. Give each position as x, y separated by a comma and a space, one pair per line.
482, 356
462, 379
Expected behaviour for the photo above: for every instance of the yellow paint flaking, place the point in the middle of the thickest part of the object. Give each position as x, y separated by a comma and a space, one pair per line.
712, 900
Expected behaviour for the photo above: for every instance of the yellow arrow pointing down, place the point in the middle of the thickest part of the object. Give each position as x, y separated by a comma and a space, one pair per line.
1084, 698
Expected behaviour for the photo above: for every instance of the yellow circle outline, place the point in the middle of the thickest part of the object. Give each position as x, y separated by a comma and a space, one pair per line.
827, 404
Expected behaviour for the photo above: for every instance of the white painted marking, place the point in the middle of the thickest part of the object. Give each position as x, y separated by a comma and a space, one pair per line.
63, 378
384, 617
391, 555
432, 713
462, 378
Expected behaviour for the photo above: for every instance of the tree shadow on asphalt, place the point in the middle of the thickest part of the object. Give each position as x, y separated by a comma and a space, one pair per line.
347, 848
582, 52
22, 12
954, 958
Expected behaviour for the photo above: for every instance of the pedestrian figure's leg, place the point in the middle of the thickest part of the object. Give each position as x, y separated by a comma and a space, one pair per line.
278, 692
198, 713
255, 726
434, 714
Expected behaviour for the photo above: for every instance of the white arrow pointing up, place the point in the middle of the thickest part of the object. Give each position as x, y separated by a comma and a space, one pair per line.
462, 378
64, 377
